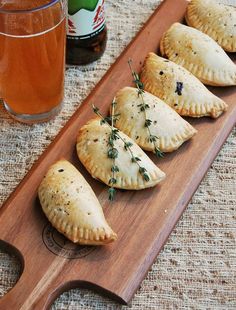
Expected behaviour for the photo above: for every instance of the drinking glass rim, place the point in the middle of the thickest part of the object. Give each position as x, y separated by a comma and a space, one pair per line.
38, 8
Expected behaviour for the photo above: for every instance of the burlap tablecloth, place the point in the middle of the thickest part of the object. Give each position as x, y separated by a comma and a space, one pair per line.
197, 267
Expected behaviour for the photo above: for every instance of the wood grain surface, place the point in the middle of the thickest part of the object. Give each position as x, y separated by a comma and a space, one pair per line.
143, 220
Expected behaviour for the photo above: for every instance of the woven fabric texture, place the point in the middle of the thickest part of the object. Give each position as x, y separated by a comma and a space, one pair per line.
197, 267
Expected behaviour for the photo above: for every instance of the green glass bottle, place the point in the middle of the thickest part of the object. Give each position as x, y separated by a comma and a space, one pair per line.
86, 32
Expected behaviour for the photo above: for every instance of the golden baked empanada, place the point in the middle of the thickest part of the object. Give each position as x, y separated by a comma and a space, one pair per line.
216, 20
170, 129
199, 54
71, 206
179, 88
92, 149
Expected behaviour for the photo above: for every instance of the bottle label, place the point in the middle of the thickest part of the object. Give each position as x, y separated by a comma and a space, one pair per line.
86, 18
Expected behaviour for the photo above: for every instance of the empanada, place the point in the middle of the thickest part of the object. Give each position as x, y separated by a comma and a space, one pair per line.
71, 206
179, 88
216, 20
92, 149
170, 129
199, 54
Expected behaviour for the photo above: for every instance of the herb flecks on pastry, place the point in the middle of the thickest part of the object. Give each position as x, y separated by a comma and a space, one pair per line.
216, 20
179, 88
199, 54
170, 129
136, 170
71, 206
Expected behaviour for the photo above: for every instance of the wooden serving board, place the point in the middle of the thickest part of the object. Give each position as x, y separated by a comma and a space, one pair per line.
143, 220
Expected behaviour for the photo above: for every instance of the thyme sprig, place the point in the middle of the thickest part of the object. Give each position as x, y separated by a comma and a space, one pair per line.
113, 152
143, 107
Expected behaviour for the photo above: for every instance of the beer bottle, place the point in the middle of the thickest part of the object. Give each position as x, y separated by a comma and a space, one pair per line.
86, 32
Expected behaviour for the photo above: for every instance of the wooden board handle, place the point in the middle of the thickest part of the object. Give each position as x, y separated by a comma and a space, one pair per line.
37, 289
30, 292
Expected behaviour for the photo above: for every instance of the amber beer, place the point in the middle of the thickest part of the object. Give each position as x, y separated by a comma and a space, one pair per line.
32, 58
86, 31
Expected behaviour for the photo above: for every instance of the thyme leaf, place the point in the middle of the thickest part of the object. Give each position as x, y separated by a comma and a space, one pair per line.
113, 152
112, 181
111, 193
127, 145
158, 153
148, 123
115, 169
143, 107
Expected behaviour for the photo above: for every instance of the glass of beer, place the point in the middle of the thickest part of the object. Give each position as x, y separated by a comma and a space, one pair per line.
32, 58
